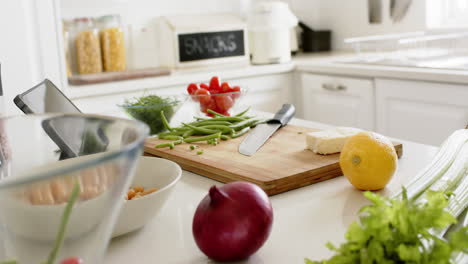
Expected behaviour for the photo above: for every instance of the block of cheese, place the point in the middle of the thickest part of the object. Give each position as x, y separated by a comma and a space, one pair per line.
330, 141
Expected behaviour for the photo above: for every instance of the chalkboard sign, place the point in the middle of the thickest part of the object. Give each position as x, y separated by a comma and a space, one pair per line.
210, 45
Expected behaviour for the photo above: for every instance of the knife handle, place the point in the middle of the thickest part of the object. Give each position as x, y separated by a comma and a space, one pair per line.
284, 115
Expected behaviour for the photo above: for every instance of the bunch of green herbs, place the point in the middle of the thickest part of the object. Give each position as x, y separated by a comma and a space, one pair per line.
399, 231
148, 110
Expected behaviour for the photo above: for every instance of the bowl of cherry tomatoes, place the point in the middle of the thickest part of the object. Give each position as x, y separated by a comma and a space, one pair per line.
220, 97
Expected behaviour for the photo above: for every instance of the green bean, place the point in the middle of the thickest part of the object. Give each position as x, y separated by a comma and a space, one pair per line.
175, 133
245, 123
243, 112
74, 195
164, 121
201, 129
259, 122
163, 145
170, 144
199, 152
204, 138
181, 129
171, 137
188, 133
192, 147
203, 123
241, 133
218, 127
224, 137
215, 113
226, 118
213, 141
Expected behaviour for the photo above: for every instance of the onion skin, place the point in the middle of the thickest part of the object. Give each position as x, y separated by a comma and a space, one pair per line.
233, 221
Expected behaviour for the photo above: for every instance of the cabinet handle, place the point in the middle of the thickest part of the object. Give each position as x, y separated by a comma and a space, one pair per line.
333, 87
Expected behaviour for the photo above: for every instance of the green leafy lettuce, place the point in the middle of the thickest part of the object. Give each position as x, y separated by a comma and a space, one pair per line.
398, 231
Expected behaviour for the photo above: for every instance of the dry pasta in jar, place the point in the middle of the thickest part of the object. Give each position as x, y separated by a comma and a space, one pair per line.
112, 43
87, 47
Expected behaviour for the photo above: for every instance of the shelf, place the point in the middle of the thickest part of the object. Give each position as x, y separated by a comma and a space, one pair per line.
176, 78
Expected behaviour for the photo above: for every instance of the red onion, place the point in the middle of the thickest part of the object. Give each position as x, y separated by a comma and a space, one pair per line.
73, 260
232, 222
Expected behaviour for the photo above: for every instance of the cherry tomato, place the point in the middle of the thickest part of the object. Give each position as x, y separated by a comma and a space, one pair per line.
209, 105
214, 85
224, 103
202, 95
225, 88
191, 88
204, 86
73, 260
237, 92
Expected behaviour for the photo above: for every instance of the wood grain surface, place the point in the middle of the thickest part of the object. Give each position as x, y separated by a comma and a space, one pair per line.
282, 164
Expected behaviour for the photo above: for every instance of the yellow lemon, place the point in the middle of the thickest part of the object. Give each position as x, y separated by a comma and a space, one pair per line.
368, 160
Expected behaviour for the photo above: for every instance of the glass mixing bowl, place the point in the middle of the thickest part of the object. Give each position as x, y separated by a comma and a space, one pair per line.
63, 178
223, 103
146, 110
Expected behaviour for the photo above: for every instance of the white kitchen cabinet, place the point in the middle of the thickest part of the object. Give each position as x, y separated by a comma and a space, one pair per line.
424, 112
339, 101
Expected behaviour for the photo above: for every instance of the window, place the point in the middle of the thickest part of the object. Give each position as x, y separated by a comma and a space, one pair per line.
447, 13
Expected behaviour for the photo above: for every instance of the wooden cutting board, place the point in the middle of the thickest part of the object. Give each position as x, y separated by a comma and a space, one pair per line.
282, 164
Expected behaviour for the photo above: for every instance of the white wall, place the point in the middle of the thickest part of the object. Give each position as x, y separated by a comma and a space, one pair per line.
308, 11
349, 18
142, 11
30, 49
19, 54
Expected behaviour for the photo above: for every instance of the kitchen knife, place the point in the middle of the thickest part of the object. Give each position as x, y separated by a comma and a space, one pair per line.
261, 133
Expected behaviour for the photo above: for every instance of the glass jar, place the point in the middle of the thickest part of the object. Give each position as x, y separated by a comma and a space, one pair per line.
66, 25
112, 43
87, 46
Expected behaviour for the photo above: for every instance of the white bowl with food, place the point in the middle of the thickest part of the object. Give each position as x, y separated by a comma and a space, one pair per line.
158, 178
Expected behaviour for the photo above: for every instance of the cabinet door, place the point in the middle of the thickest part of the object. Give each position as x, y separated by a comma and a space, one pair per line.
267, 93
420, 111
338, 101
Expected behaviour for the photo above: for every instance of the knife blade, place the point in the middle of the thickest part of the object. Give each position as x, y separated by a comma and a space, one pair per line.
261, 133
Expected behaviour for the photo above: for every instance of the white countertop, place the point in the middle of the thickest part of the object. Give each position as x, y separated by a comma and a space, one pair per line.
304, 219
333, 63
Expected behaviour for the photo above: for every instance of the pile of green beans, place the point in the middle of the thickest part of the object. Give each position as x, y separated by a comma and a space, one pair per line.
210, 130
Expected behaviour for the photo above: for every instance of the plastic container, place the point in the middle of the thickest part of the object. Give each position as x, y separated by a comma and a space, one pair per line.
379, 47
86, 46
44, 199
112, 43
142, 48
269, 28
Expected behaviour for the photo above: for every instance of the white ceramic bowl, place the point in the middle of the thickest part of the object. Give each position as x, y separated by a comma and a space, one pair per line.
151, 173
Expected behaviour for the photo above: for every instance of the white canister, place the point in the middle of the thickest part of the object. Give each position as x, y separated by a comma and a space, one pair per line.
269, 27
